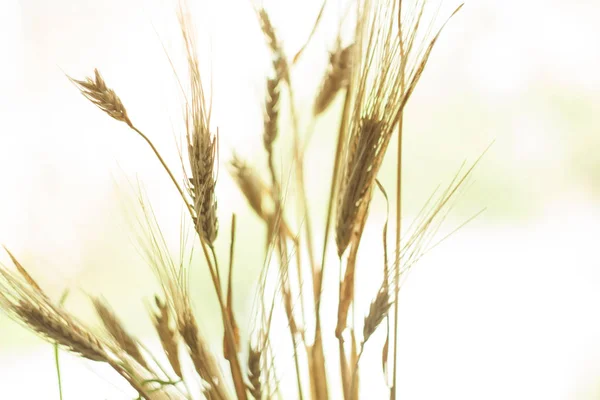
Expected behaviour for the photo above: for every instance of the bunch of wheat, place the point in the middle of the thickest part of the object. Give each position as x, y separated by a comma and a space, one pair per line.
376, 72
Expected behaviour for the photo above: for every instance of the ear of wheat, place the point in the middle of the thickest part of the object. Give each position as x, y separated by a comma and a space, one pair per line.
375, 74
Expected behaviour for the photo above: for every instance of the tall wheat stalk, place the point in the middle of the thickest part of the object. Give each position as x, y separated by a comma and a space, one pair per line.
375, 72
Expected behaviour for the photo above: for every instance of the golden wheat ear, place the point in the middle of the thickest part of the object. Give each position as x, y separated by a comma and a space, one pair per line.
115, 328
366, 150
337, 78
252, 187
95, 90
378, 310
169, 338
280, 63
201, 143
254, 372
60, 329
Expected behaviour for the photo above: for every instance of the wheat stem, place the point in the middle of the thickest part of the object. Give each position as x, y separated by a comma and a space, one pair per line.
398, 268
57, 366
310, 36
166, 168
398, 201
234, 363
342, 134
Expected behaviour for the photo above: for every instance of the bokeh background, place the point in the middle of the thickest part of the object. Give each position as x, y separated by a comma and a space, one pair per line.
507, 308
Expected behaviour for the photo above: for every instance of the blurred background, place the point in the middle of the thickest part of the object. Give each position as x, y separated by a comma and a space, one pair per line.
504, 309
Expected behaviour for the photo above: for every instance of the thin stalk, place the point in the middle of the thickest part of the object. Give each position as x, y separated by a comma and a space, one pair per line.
317, 356
334, 180
299, 164
310, 36
229, 290
164, 164
344, 371
57, 364
398, 201
278, 233
231, 253
234, 363
168, 381
143, 394
297, 363
300, 286
354, 390
348, 282
214, 255
397, 269
318, 371
285, 289
61, 302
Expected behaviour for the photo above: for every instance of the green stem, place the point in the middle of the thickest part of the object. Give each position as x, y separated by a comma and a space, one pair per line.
57, 364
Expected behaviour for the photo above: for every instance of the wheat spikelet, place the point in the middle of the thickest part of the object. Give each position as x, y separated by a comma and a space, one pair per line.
115, 328
271, 118
268, 30
377, 312
271, 113
60, 329
254, 373
203, 184
336, 78
203, 360
280, 63
202, 145
168, 337
96, 91
359, 178
253, 188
